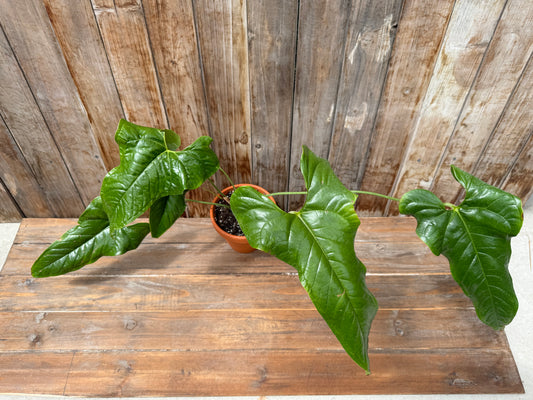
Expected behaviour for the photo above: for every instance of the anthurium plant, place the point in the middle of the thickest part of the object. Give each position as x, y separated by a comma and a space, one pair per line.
317, 240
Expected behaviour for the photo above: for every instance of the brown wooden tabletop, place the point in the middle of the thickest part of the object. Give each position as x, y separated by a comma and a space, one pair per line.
184, 315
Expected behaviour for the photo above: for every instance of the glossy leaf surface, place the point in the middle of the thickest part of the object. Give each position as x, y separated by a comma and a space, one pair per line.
87, 242
476, 238
164, 212
318, 241
150, 169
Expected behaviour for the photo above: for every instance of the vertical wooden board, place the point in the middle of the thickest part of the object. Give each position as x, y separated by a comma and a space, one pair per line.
77, 32
502, 66
420, 32
519, 181
123, 29
511, 134
19, 179
8, 211
272, 28
468, 35
320, 52
222, 39
173, 37
371, 31
30, 133
28, 30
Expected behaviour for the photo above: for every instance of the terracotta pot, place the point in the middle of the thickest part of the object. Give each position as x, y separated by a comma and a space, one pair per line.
238, 243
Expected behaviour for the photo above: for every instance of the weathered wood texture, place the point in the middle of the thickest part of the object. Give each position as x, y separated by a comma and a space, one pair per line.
201, 320
391, 92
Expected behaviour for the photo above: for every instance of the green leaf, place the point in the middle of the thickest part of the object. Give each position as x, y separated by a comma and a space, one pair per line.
318, 241
150, 169
164, 212
87, 242
476, 238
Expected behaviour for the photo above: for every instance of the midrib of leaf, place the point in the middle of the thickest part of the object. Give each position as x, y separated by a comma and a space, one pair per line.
130, 187
324, 254
491, 295
92, 238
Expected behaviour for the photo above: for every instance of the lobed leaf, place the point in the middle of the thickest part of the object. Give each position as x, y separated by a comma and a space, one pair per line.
87, 242
150, 169
318, 241
476, 238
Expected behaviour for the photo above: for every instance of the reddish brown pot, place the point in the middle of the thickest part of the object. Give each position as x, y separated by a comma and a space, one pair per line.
238, 243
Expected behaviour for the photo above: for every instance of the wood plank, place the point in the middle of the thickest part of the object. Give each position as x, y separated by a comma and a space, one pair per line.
245, 330
508, 139
468, 35
371, 31
123, 29
272, 28
34, 374
18, 179
503, 64
9, 211
28, 30
38, 150
414, 54
223, 45
196, 258
173, 38
226, 373
200, 230
320, 52
217, 292
519, 181
77, 32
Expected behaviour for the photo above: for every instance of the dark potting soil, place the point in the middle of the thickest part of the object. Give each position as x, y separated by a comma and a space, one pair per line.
226, 220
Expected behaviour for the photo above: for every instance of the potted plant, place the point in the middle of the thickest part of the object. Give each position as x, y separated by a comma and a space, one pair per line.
224, 220
318, 240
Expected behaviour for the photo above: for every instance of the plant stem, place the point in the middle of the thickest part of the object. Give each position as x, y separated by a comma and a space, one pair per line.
450, 206
284, 193
209, 203
227, 177
375, 194
353, 191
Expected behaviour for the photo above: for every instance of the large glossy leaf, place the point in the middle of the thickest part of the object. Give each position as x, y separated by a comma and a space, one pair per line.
318, 241
476, 238
164, 212
150, 169
87, 242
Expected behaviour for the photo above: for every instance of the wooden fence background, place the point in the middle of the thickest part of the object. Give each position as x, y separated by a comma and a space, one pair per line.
390, 91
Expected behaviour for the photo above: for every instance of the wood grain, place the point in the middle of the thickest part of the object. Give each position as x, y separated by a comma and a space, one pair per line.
201, 326
508, 139
519, 181
272, 47
123, 29
201, 373
77, 32
410, 71
223, 46
20, 115
9, 211
40, 57
371, 31
288, 329
173, 38
320, 52
468, 35
18, 178
509, 51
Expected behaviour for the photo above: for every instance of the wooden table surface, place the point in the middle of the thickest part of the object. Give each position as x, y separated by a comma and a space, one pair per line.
184, 315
